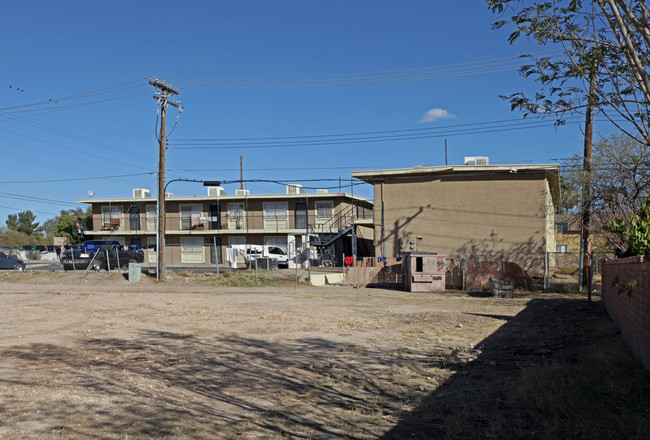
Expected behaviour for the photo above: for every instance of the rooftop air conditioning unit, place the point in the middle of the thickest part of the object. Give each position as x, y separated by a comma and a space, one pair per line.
295, 189
141, 193
216, 191
321, 191
242, 192
477, 161
168, 195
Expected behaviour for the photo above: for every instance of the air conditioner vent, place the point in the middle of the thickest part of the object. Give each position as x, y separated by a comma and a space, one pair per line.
295, 189
242, 192
478, 161
216, 191
321, 191
141, 193
168, 195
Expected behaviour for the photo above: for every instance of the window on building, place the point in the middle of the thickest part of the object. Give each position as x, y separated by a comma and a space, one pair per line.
111, 216
275, 210
562, 228
324, 209
561, 249
192, 250
236, 215
152, 217
190, 216
134, 217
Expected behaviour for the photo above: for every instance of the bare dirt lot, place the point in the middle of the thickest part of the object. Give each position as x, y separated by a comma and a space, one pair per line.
101, 358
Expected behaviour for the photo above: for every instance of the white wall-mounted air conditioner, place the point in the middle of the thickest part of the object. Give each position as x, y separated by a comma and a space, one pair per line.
295, 189
168, 195
477, 161
141, 193
242, 192
216, 191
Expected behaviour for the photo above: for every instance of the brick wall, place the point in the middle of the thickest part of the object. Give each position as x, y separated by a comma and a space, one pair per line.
626, 295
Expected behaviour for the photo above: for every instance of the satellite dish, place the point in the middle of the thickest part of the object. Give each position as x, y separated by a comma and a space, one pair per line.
91, 194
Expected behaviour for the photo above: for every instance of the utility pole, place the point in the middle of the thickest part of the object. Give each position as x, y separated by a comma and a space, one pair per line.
241, 172
586, 186
161, 97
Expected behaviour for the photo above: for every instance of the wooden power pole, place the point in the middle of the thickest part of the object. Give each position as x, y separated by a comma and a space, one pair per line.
586, 188
161, 97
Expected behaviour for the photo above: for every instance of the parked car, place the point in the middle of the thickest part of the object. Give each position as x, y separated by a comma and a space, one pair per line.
258, 251
100, 254
7, 262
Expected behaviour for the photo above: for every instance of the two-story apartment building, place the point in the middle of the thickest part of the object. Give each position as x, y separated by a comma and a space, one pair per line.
199, 228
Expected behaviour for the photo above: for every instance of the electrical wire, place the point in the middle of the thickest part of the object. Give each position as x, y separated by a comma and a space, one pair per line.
110, 89
79, 179
408, 130
63, 133
345, 141
96, 156
346, 80
65, 107
21, 209
35, 199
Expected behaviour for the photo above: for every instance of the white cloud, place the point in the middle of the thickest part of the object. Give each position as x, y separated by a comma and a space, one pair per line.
435, 114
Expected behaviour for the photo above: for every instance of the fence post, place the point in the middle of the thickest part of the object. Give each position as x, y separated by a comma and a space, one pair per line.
296, 252
216, 254
463, 268
547, 272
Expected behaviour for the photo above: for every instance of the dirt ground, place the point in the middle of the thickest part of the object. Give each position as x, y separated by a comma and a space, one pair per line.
102, 358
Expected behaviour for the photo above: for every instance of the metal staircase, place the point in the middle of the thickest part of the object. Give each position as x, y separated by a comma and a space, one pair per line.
334, 229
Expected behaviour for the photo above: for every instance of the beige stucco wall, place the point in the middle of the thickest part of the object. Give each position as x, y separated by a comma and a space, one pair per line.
488, 218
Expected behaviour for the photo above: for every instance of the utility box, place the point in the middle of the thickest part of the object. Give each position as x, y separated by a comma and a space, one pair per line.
424, 272
134, 272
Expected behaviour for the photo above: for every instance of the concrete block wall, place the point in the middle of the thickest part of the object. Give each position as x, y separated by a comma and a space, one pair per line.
626, 295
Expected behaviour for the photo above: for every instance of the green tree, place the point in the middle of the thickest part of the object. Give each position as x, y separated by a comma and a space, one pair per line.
607, 40
63, 224
12, 238
619, 179
636, 231
24, 222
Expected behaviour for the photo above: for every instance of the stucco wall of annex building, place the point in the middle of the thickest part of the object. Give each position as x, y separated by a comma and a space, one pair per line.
485, 216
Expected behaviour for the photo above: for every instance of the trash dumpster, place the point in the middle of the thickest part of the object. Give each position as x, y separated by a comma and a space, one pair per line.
424, 272
135, 269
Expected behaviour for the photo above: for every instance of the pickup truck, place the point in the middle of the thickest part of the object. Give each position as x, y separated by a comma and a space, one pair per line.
257, 251
109, 254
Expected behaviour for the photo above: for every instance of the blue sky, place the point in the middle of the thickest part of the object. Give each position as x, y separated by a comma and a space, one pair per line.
284, 62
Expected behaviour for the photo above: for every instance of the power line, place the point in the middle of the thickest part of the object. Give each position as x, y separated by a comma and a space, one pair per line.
408, 130
21, 209
346, 80
78, 179
35, 199
352, 140
109, 89
72, 149
75, 136
64, 107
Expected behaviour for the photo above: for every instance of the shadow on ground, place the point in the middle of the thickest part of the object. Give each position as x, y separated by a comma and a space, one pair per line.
170, 385
556, 370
